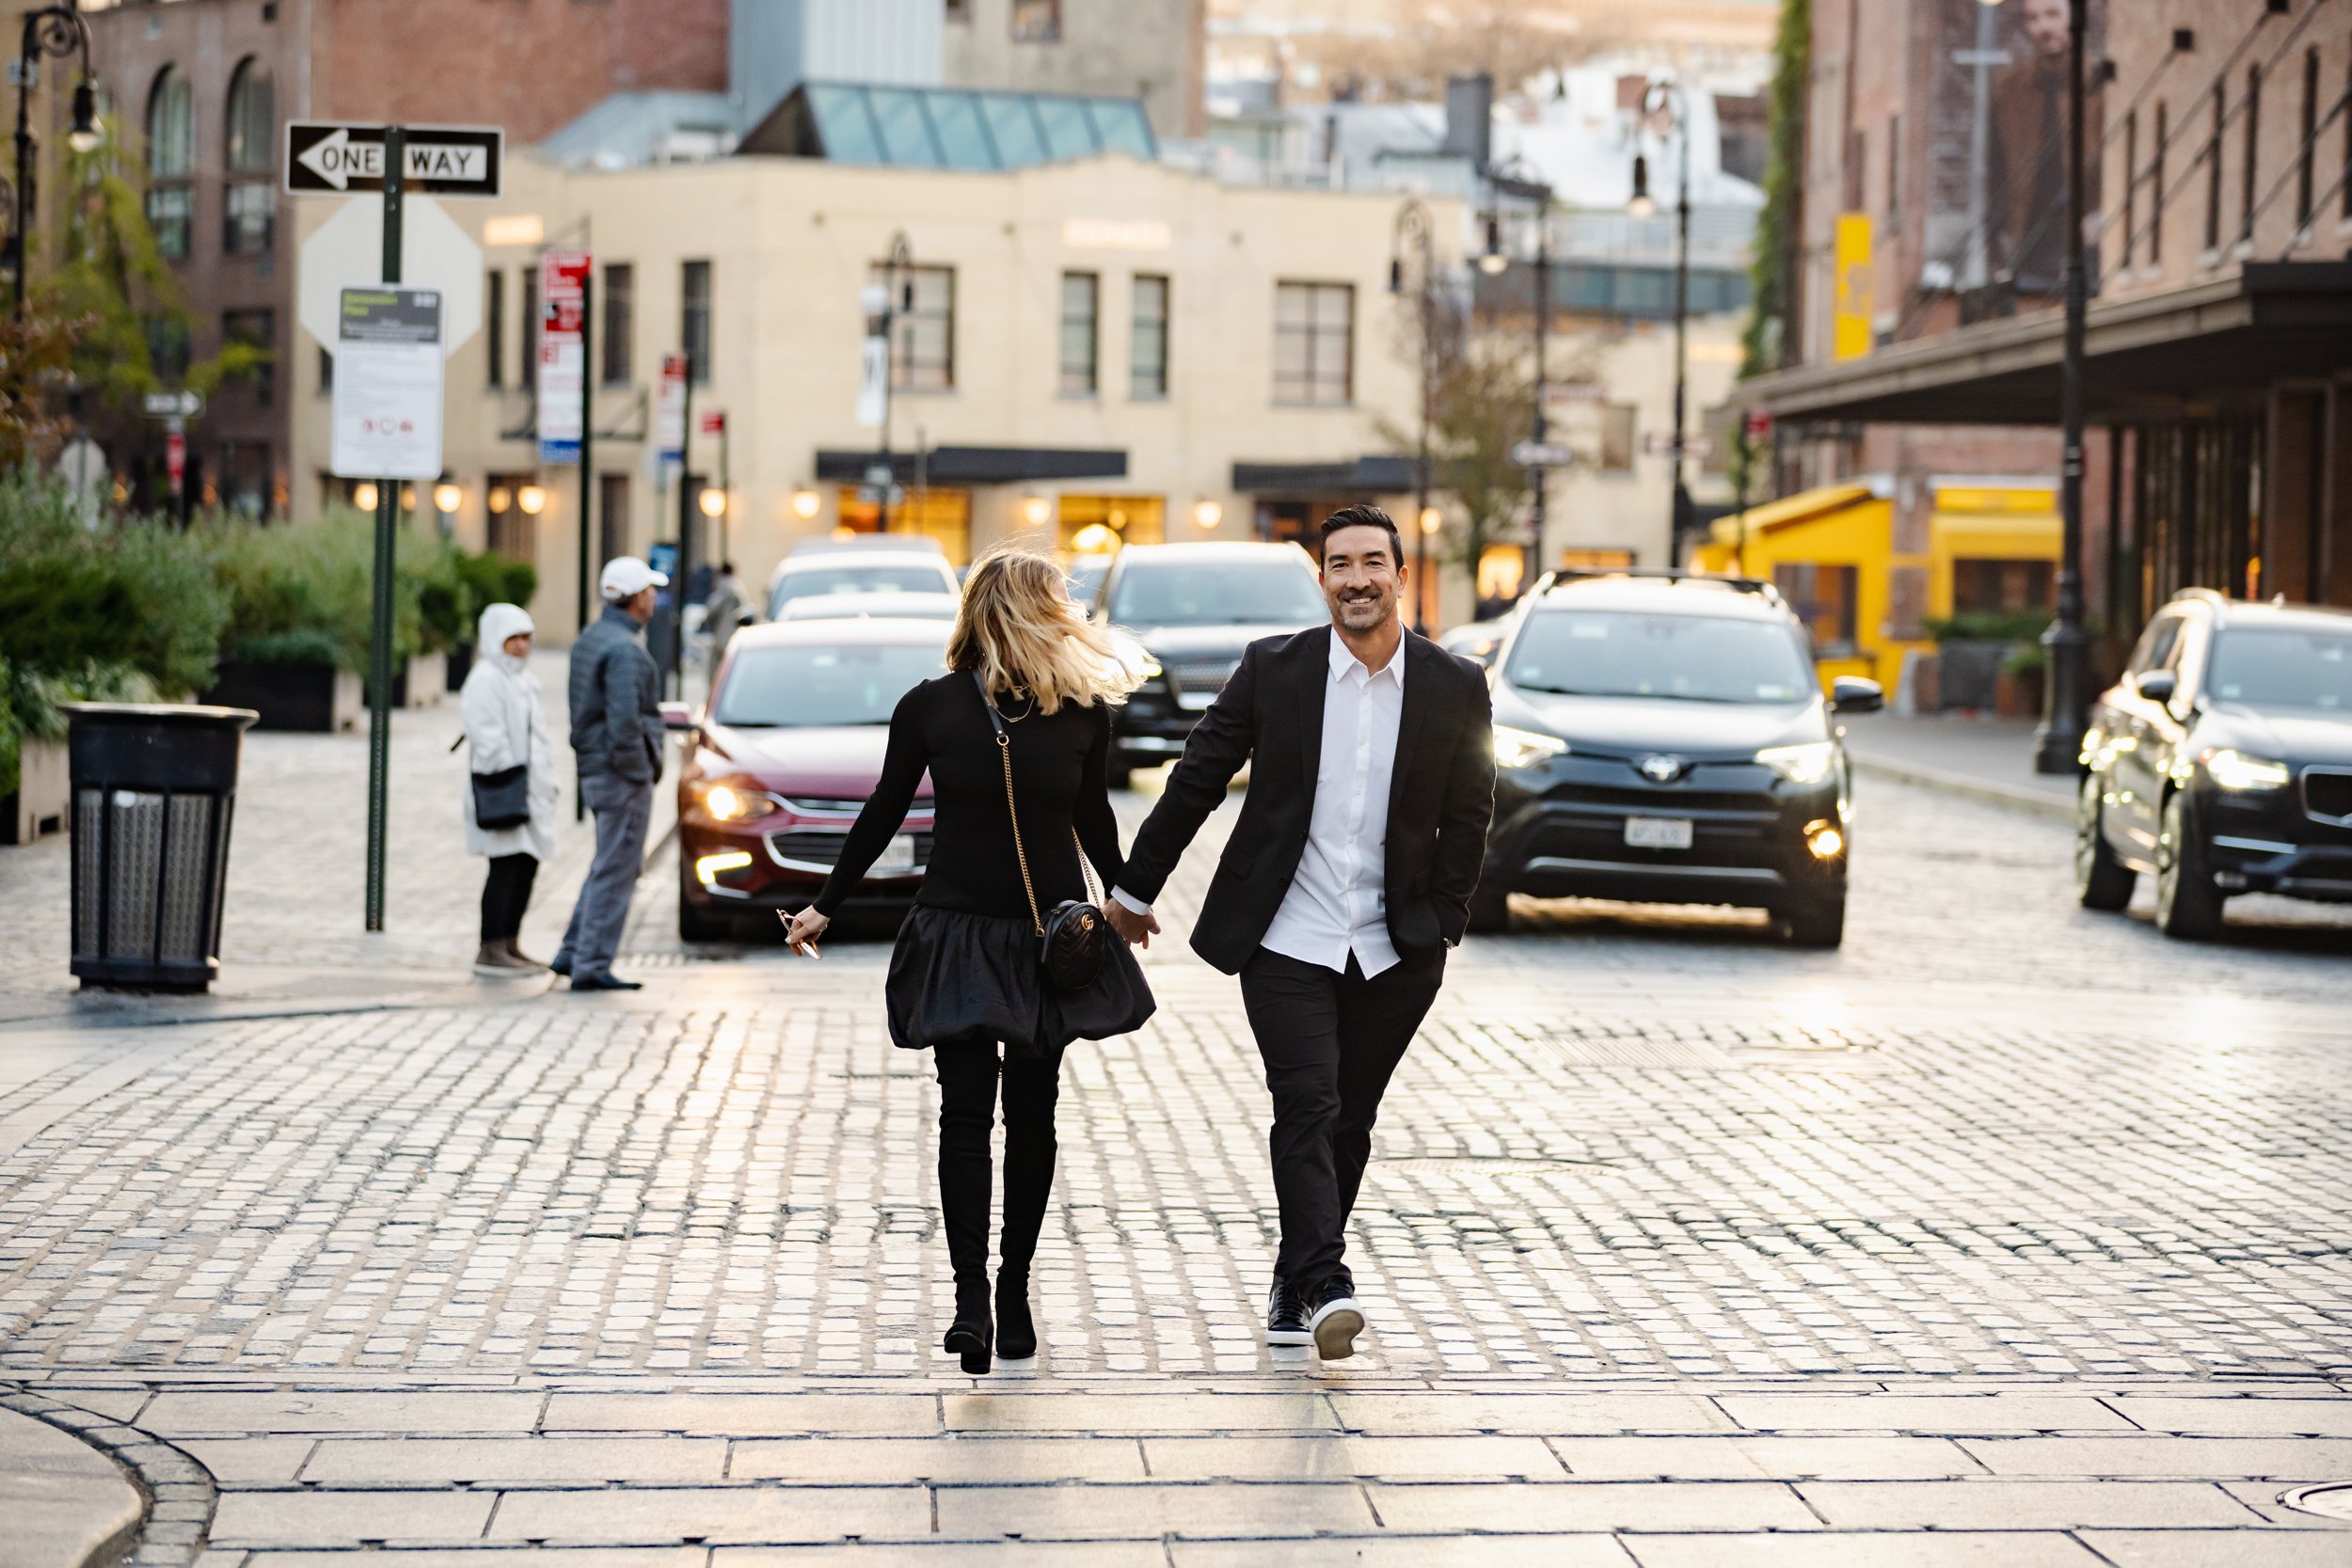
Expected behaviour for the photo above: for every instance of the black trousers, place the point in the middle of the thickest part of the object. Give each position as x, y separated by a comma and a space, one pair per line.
968, 1080
505, 894
1330, 1041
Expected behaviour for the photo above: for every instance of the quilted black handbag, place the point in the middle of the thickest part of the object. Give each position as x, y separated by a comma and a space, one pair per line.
1074, 939
502, 800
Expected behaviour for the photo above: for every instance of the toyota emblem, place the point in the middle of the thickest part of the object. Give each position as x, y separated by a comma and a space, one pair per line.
1662, 769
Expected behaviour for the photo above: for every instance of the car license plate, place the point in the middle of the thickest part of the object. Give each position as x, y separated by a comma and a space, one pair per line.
1658, 832
898, 856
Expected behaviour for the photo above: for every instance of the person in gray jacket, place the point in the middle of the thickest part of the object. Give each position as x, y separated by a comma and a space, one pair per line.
617, 735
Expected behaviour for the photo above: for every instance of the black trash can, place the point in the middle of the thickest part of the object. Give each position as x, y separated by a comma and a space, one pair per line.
153, 790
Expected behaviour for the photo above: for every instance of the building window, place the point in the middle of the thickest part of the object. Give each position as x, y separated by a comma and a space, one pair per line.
169, 201
256, 329
620, 323
169, 351
1616, 438
1036, 21
511, 534
2010, 586
494, 326
1894, 172
2213, 169
2131, 185
960, 11
1147, 352
249, 202
2155, 187
2253, 148
2306, 166
1314, 342
1857, 168
923, 357
612, 531
695, 320
1081, 300
1824, 599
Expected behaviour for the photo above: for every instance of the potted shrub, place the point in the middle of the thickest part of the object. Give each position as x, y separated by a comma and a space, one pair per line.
299, 603
1975, 646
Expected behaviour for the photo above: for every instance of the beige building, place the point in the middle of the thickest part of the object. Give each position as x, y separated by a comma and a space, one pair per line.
1105, 344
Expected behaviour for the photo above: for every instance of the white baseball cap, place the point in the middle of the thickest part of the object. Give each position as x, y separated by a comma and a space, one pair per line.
626, 577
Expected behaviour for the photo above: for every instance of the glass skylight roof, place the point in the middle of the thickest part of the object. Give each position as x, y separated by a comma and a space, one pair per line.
952, 128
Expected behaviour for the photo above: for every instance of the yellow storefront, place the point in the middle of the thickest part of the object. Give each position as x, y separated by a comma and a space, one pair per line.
1867, 590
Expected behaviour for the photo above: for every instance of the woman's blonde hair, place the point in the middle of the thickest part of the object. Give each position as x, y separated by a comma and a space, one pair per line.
1023, 636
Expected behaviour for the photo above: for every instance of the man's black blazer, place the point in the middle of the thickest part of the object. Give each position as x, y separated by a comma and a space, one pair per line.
1441, 797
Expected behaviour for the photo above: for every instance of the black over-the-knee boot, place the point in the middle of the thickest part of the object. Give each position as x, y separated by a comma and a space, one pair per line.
1031, 1091
967, 1111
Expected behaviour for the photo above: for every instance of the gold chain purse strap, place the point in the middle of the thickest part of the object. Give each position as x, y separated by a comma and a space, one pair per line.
1012, 809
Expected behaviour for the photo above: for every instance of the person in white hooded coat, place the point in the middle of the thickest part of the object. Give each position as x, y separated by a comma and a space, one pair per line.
506, 725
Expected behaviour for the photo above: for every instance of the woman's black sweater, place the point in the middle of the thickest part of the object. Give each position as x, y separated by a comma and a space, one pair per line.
1059, 776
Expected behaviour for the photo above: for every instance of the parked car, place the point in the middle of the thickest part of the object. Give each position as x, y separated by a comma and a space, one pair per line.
1194, 608
2222, 763
909, 563
1479, 641
783, 760
1663, 737
1085, 575
933, 605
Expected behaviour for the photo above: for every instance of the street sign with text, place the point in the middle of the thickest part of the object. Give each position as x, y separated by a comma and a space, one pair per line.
343, 158
1542, 455
174, 405
562, 367
387, 385
1660, 443
670, 412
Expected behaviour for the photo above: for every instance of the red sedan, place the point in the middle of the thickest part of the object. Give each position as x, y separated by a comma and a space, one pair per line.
782, 762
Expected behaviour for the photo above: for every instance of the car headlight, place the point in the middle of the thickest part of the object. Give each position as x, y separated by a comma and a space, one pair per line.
2237, 770
1808, 763
732, 804
1517, 748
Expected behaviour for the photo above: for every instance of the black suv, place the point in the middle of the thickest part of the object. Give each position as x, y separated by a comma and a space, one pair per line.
1663, 737
1195, 608
2221, 762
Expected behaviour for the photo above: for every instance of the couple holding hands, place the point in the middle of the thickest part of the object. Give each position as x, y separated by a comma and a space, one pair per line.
1346, 878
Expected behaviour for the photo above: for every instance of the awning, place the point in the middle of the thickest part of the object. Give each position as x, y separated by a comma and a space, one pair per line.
976, 464
1367, 476
2152, 357
1801, 507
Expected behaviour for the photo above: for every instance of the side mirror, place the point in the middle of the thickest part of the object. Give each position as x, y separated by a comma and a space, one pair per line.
2157, 686
677, 715
1853, 694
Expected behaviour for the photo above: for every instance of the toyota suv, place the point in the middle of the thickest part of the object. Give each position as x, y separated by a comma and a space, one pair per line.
2222, 763
1661, 737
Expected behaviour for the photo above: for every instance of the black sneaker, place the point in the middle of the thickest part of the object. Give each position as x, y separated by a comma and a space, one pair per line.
1286, 1318
1336, 1319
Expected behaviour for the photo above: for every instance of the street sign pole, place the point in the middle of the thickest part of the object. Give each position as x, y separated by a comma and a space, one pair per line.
688, 502
380, 619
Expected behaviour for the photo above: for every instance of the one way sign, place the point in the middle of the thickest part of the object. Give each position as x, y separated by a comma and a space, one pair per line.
442, 160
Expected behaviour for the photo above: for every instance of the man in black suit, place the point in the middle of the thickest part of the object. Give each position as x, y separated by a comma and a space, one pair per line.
1347, 876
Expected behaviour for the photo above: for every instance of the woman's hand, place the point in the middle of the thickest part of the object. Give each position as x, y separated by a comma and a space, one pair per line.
804, 929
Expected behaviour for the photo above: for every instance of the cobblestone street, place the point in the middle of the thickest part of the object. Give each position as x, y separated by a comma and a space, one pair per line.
2009, 1234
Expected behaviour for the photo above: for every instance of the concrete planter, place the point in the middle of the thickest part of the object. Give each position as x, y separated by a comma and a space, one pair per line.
460, 665
2017, 694
422, 682
41, 795
312, 697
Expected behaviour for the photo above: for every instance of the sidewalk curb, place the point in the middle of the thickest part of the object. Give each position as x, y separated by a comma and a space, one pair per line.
2032, 802
178, 1495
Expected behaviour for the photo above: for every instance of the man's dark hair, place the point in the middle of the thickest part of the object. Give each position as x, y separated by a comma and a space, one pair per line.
1366, 516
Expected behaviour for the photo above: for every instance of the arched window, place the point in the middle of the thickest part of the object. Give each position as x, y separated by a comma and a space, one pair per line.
250, 201
169, 161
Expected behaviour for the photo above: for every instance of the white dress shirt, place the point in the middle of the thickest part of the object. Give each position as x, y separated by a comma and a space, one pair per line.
1338, 902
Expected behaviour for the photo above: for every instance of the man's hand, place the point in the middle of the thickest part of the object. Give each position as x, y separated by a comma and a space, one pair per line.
1139, 929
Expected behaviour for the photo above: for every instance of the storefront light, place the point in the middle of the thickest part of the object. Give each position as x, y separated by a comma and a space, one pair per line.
447, 497
1036, 510
533, 500
1207, 514
714, 502
805, 504
363, 494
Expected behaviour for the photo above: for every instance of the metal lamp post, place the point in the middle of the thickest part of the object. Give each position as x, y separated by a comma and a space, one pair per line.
1668, 98
57, 31
1415, 230
897, 296
2058, 746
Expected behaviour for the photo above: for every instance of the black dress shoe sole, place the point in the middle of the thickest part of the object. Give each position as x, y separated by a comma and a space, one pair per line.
608, 985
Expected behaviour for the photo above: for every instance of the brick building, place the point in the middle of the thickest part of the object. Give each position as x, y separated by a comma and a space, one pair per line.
1926, 334
201, 88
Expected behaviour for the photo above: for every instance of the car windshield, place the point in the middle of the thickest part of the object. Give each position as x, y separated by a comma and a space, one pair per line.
877, 578
1228, 592
2277, 668
805, 686
1704, 658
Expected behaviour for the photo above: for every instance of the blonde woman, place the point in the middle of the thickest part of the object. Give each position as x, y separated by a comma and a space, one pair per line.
965, 978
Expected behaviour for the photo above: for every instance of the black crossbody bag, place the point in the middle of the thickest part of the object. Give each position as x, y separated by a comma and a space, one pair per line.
1074, 939
502, 800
